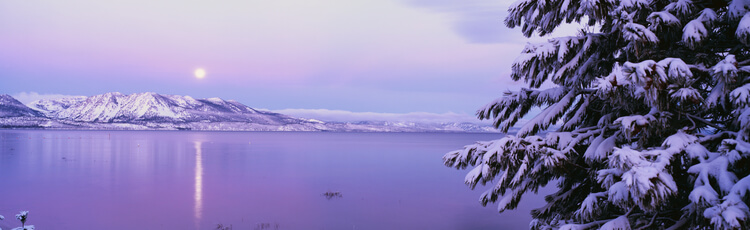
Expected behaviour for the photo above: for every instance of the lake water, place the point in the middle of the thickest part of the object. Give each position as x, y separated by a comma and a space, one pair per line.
249, 180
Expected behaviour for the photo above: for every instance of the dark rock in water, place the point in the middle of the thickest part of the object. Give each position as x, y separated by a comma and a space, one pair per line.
330, 195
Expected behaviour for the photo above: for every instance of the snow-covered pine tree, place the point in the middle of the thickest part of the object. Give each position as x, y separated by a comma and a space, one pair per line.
653, 114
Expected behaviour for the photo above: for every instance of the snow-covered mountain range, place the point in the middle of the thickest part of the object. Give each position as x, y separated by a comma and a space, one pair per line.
152, 111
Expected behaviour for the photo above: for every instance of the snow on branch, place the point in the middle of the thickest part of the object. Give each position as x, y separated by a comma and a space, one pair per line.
516, 164
738, 8
644, 182
681, 7
724, 74
559, 57
619, 223
678, 141
492, 157
572, 66
662, 18
645, 74
731, 214
590, 207
513, 105
740, 96
634, 4
688, 94
575, 117
647, 77
717, 169
599, 148
694, 33
708, 16
635, 32
543, 17
589, 225
704, 196
548, 116
676, 68
743, 30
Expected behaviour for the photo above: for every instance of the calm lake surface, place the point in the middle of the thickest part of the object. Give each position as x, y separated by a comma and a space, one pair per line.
250, 180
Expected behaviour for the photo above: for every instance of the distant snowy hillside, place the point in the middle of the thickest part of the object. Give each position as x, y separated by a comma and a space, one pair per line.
152, 111
392, 126
47, 106
10, 107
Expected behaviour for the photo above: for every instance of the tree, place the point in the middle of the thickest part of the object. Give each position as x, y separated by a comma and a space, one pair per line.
647, 126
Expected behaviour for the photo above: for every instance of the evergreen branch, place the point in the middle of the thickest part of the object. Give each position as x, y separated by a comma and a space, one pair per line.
649, 223
720, 135
587, 91
699, 68
691, 121
630, 211
678, 224
704, 121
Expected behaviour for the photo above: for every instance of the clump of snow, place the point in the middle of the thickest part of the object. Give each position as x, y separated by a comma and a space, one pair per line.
730, 214
600, 148
726, 69
590, 206
662, 18
688, 94
681, 7
738, 8
619, 223
633, 123
708, 15
694, 33
637, 32
743, 29
679, 140
740, 96
704, 195
676, 68
716, 169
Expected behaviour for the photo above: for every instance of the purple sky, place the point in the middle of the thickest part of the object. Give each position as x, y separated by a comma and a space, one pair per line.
383, 56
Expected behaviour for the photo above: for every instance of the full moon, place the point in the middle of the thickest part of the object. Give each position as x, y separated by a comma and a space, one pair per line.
200, 73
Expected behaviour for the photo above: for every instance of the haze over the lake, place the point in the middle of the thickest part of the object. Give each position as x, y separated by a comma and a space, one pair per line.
392, 56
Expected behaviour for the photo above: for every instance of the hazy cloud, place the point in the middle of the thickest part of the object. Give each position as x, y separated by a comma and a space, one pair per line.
348, 116
478, 21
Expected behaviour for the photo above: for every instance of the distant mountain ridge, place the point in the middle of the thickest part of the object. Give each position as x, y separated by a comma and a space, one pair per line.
10, 107
152, 111
152, 107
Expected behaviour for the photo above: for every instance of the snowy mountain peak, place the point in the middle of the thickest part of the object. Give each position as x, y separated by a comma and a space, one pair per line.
7, 99
216, 100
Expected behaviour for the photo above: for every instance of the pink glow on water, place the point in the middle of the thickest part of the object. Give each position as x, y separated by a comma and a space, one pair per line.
196, 180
